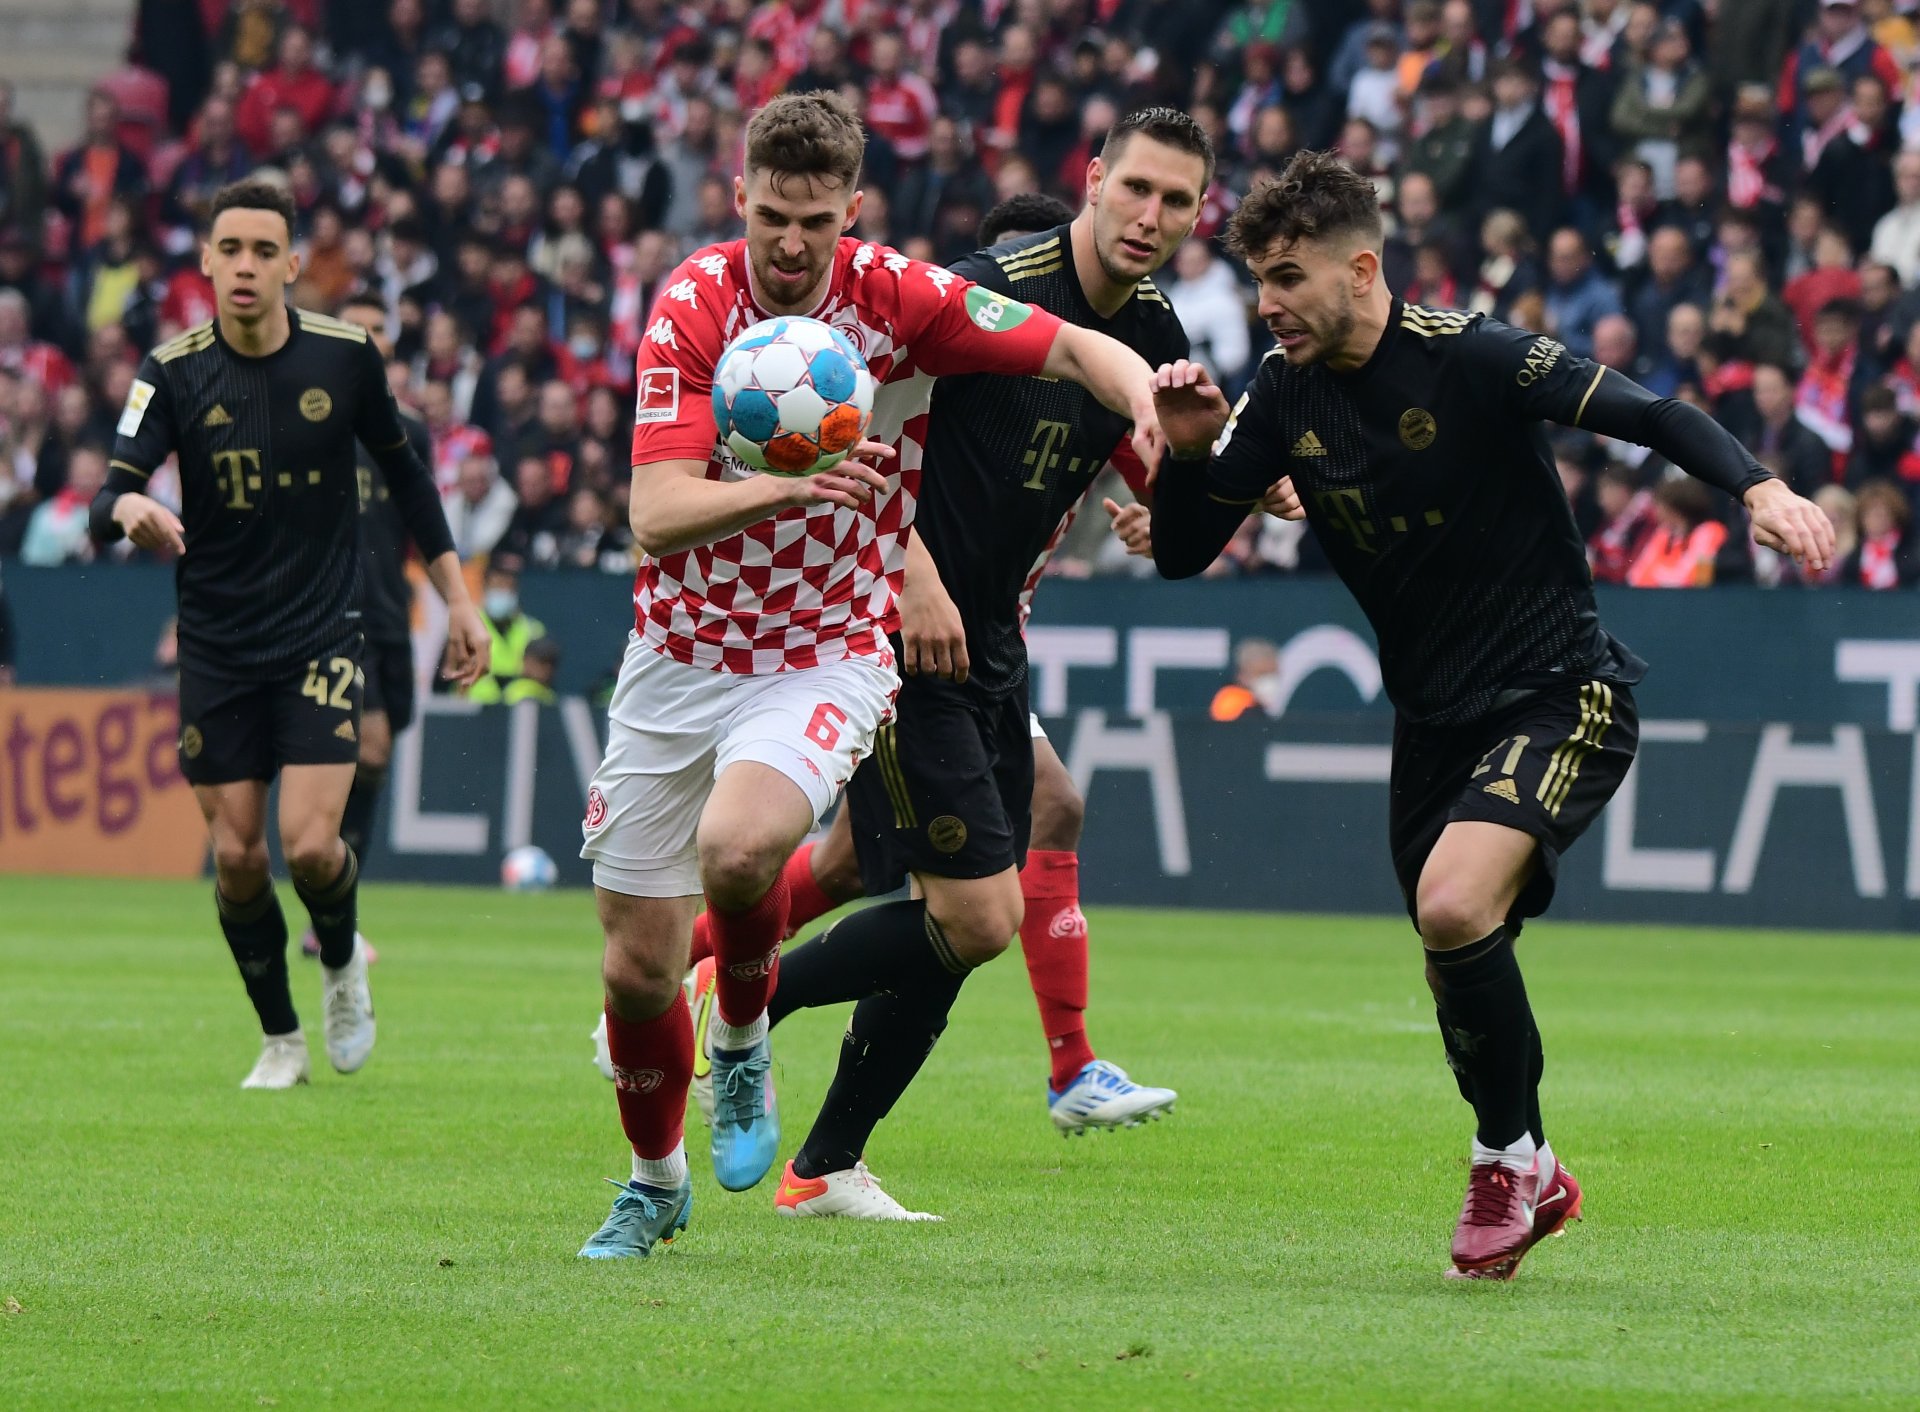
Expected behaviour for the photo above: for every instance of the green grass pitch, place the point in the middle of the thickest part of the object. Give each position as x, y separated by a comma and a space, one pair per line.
1741, 1107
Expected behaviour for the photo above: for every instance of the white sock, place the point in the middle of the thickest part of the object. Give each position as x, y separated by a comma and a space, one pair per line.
721, 1035
1518, 1156
667, 1172
1547, 1160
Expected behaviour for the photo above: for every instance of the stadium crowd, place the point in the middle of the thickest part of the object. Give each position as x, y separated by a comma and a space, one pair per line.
1720, 198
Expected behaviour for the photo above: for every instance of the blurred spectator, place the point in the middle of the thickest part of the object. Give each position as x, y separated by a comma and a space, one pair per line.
480, 507
1896, 236
1663, 104
1829, 392
539, 666
1255, 684
1803, 460
1842, 510
512, 629
57, 533
86, 180
1885, 448
1578, 100
292, 85
1508, 269
23, 169
1840, 44
1846, 171
474, 44
1208, 300
1520, 161
1578, 295
533, 534
1686, 539
1672, 278
1626, 519
25, 356
1885, 556
1759, 327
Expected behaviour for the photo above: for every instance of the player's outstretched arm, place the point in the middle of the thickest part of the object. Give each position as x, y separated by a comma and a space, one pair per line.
1116, 375
1617, 406
676, 508
933, 638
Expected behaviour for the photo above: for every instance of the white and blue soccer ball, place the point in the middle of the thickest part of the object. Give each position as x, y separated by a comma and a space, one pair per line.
528, 869
792, 396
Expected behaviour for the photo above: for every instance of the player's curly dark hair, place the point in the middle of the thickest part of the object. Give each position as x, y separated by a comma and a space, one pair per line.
807, 135
1029, 213
253, 194
1317, 197
1168, 125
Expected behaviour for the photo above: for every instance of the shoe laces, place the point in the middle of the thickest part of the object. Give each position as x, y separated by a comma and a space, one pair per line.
342, 1000
632, 1205
739, 1094
1490, 1195
1109, 1077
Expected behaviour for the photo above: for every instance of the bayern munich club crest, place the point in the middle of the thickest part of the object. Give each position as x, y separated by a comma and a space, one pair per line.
596, 807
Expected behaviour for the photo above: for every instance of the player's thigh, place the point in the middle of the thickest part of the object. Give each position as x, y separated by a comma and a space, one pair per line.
645, 956
1472, 881
753, 820
929, 801
1059, 813
836, 865
226, 731
978, 916
312, 800
387, 705
644, 803
376, 739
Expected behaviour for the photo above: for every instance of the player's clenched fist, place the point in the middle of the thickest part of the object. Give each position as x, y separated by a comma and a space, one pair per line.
469, 645
1133, 526
148, 523
1283, 500
1191, 408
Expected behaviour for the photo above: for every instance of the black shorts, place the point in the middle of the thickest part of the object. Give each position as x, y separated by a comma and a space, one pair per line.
1546, 765
948, 790
390, 687
249, 730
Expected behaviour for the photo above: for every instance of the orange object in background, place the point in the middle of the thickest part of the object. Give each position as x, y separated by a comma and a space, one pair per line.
90, 784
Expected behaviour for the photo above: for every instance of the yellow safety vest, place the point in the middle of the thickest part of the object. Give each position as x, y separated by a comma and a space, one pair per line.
510, 647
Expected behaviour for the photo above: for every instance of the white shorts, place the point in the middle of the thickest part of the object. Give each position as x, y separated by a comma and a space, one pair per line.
673, 728
1033, 723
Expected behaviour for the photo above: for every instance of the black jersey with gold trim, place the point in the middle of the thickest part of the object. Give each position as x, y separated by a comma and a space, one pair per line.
1007, 458
1427, 476
270, 488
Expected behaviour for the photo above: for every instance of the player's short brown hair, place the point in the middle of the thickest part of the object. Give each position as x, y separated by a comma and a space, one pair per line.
253, 194
807, 135
1318, 197
1165, 125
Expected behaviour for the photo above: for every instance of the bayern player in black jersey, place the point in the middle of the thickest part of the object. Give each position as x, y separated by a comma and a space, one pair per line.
1413, 439
946, 796
263, 406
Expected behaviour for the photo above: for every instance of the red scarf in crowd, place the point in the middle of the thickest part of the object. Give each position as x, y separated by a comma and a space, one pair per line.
1562, 105
1878, 565
1747, 183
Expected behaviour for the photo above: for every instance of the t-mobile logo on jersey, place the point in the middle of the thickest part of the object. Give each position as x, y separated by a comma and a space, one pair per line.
659, 399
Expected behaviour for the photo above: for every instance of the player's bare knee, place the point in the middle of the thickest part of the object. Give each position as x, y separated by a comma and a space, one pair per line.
638, 986
240, 866
1452, 914
314, 858
736, 870
982, 926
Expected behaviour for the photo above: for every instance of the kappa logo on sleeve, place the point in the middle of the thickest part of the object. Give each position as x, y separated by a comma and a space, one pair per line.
136, 409
659, 396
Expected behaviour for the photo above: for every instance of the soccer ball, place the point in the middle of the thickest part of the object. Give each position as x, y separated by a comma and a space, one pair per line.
528, 869
792, 396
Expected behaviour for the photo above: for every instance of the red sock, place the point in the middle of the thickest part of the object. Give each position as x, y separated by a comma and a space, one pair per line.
805, 900
746, 952
1053, 936
652, 1067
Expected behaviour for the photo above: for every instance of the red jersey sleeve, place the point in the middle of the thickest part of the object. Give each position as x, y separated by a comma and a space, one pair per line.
955, 326
673, 371
1132, 469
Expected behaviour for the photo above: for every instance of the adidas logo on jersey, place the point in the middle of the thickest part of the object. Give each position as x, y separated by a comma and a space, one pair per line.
344, 731
218, 417
1502, 789
1309, 445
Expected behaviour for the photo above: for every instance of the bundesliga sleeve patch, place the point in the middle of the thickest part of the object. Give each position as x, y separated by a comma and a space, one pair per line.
136, 409
995, 312
659, 399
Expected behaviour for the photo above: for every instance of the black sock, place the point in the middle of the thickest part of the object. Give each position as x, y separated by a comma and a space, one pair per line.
335, 910
887, 1041
1483, 1003
256, 933
891, 947
1456, 1058
1536, 1066
356, 824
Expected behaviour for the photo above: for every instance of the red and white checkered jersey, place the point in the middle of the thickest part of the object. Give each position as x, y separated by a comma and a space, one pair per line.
1132, 470
813, 583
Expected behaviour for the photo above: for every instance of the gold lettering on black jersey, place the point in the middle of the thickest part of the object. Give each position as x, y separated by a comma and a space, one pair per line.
1348, 511
1043, 452
237, 472
1541, 358
218, 417
1309, 445
315, 405
1417, 429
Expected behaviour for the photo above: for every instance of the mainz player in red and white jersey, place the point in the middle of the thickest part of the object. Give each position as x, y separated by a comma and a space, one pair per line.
759, 670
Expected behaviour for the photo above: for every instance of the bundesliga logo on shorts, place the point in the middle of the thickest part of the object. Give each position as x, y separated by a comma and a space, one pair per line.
596, 808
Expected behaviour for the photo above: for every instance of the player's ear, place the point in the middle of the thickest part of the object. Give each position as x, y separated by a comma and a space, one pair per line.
853, 211
740, 197
1365, 269
1096, 176
293, 266
206, 258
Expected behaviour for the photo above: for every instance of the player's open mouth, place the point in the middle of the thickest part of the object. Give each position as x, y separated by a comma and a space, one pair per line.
243, 296
1290, 337
1139, 249
790, 276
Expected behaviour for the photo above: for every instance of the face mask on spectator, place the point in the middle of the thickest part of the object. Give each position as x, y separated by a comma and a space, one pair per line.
500, 603
584, 346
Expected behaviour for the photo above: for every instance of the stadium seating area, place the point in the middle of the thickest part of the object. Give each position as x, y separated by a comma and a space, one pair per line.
1722, 200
